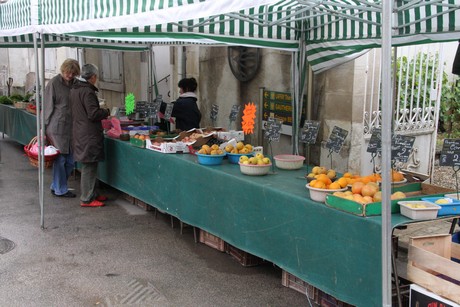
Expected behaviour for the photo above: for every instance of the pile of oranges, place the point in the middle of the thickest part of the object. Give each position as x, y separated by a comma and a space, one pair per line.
322, 181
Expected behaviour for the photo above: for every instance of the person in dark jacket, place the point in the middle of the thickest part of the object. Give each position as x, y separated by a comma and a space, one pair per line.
58, 125
185, 108
88, 135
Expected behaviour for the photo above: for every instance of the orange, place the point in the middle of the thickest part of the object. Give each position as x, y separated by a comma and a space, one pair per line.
343, 182
335, 186
324, 178
319, 185
347, 175
357, 187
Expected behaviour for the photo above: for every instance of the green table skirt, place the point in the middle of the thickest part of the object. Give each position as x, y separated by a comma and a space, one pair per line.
19, 125
268, 216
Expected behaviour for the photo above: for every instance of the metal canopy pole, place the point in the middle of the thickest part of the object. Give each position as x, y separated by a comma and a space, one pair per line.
387, 114
40, 120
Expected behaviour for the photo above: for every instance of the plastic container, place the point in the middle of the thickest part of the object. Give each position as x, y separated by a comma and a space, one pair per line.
452, 207
319, 195
255, 170
234, 158
419, 209
210, 159
289, 162
452, 195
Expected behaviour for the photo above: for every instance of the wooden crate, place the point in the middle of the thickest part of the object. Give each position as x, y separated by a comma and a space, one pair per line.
143, 205
244, 258
128, 197
430, 265
326, 300
212, 240
315, 295
291, 281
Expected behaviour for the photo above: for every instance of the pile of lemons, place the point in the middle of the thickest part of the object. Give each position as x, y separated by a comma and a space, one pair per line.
210, 150
258, 159
239, 148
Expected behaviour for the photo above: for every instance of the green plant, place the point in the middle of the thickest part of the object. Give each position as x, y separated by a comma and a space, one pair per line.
411, 75
450, 105
5, 100
17, 97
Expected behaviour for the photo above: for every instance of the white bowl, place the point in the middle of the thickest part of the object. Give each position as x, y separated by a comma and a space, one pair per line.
319, 195
255, 170
289, 161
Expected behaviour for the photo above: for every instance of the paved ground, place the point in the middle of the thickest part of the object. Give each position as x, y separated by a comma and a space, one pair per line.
118, 255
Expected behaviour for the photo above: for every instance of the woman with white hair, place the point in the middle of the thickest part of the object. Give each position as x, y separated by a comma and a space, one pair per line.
88, 135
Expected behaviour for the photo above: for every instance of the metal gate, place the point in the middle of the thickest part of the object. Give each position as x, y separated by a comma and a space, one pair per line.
418, 73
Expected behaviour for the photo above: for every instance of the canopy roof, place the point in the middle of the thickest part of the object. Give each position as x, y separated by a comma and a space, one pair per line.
335, 30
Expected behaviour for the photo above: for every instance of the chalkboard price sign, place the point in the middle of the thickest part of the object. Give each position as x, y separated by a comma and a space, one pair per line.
450, 153
451, 145
273, 129
375, 143
234, 112
336, 139
309, 132
449, 158
168, 111
401, 147
154, 106
214, 112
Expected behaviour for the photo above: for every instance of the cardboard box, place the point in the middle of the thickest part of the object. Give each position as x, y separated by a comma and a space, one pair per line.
430, 266
137, 142
228, 135
413, 191
162, 146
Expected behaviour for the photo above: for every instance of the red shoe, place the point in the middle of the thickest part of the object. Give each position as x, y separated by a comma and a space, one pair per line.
102, 198
94, 203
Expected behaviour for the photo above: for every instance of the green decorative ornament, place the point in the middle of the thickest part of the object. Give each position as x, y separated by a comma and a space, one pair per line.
130, 103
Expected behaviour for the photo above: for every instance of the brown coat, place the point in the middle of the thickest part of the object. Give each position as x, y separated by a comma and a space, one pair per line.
88, 135
57, 114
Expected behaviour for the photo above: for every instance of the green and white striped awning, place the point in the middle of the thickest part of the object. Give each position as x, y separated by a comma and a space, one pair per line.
336, 31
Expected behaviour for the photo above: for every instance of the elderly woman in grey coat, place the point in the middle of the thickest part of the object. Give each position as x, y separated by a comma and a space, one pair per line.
58, 125
88, 136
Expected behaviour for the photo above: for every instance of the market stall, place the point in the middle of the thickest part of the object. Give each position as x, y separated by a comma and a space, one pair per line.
18, 124
332, 32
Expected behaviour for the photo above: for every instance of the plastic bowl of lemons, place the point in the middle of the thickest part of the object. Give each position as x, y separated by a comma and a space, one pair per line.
234, 158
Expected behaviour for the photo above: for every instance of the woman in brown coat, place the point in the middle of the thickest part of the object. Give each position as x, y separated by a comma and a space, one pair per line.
58, 125
88, 135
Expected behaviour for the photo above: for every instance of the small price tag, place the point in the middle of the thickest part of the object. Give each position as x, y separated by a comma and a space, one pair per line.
168, 111
214, 112
375, 143
273, 129
336, 139
401, 147
234, 112
309, 132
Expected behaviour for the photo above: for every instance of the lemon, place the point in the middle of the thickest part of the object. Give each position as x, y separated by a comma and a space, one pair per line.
442, 201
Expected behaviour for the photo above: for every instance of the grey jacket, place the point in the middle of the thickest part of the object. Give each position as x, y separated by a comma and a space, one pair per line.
88, 134
57, 113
